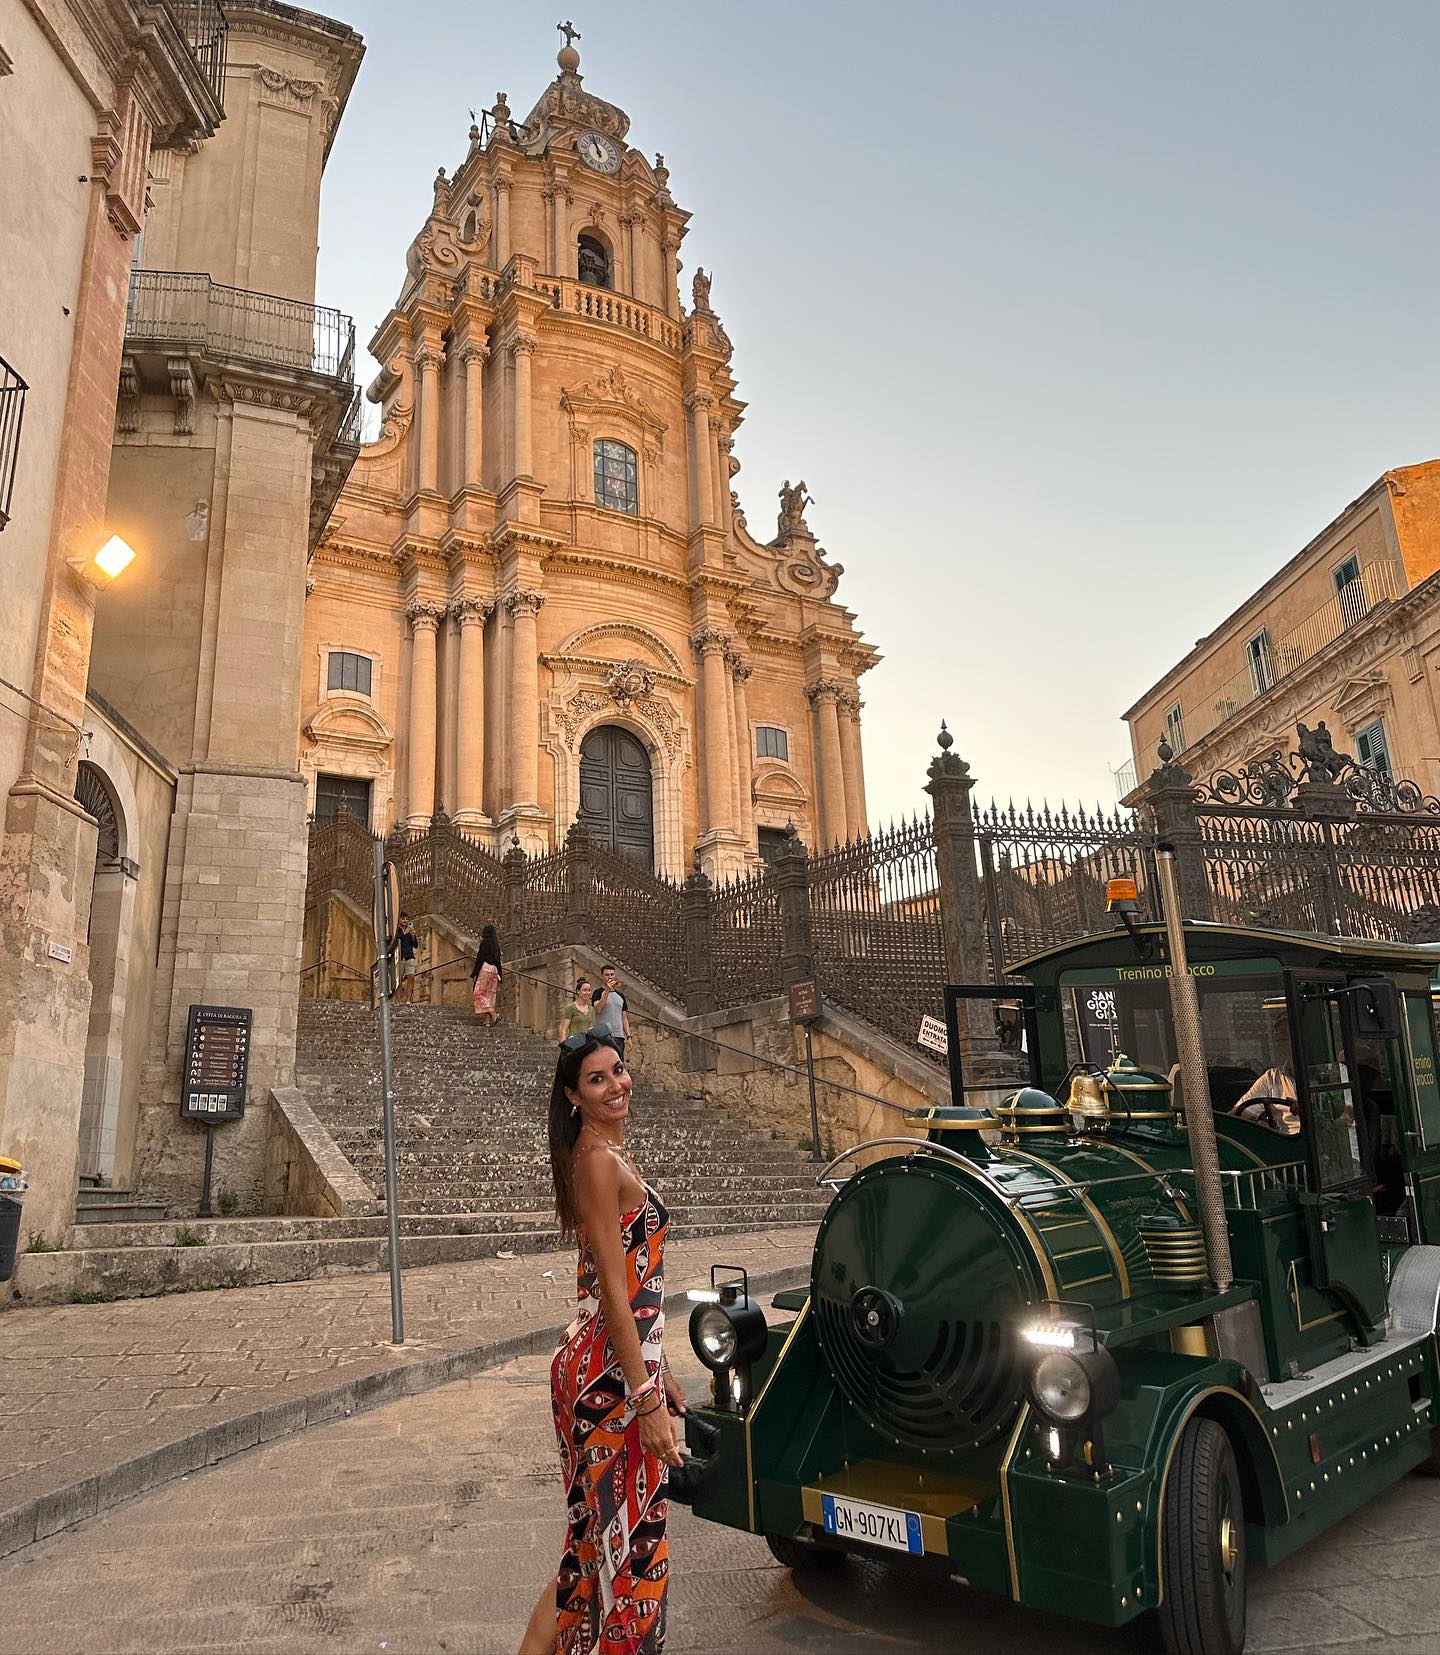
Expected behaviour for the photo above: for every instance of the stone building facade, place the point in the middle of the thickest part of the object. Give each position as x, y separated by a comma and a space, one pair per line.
92, 96
1346, 632
537, 597
185, 393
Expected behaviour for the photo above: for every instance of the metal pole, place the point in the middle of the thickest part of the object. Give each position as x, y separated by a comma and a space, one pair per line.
1199, 1120
814, 1106
387, 1076
204, 1211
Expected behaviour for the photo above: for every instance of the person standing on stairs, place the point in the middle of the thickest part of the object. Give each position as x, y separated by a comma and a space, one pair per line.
579, 1016
612, 1394
405, 943
485, 975
611, 1017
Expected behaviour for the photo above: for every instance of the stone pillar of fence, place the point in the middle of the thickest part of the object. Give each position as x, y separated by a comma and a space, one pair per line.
1168, 810
962, 909
790, 872
441, 833
695, 913
514, 862
578, 878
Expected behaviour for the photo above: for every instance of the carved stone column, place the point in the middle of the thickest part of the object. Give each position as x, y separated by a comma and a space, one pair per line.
522, 348
669, 276
712, 646
471, 615
524, 606
824, 695
502, 222
428, 361
702, 510
475, 356
854, 765
424, 619
744, 751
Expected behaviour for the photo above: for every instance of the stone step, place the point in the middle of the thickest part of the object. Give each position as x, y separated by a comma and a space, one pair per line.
228, 1232
61, 1276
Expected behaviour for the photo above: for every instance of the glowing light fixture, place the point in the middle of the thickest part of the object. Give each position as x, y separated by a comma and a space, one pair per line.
114, 557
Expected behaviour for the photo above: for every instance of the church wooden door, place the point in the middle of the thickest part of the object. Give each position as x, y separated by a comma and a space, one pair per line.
616, 802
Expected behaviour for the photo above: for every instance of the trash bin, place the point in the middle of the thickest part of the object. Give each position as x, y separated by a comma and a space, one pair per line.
12, 1189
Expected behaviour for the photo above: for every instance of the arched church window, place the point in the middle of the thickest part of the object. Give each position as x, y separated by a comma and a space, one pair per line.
615, 477
593, 261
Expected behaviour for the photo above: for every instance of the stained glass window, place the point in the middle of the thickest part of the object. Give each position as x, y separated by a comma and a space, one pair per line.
615, 477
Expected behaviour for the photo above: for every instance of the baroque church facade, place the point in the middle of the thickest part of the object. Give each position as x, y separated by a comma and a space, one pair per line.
537, 598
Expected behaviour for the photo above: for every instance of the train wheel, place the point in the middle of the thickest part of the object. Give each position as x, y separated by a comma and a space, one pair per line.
802, 1556
1203, 1557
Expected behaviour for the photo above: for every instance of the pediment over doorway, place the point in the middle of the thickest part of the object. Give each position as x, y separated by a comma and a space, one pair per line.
350, 723
619, 641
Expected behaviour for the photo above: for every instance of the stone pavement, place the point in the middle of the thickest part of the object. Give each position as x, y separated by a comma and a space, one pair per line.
428, 1526
101, 1402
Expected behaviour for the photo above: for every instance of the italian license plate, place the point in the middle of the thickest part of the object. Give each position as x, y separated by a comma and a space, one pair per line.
876, 1525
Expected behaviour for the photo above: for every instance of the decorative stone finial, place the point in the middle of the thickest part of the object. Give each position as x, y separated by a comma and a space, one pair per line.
944, 741
567, 57
1164, 752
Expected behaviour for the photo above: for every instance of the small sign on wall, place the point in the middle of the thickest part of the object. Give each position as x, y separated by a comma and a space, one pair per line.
61, 951
217, 1063
932, 1035
804, 1001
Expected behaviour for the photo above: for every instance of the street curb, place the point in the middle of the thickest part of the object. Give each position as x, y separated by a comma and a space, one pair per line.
62, 1508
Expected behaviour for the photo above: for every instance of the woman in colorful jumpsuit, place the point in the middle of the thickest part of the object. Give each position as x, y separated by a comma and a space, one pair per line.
612, 1391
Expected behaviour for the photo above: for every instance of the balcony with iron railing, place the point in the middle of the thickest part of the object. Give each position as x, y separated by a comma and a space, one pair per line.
12, 418
187, 311
1271, 661
207, 32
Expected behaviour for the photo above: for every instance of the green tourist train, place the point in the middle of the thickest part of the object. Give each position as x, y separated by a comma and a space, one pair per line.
1045, 1349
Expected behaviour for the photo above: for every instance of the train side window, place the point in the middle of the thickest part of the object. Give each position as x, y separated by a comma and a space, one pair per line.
1328, 1091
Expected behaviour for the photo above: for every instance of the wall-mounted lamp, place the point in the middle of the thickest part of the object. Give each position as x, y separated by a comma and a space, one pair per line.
112, 559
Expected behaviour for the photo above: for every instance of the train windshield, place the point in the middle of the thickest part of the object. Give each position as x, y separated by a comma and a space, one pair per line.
1247, 1039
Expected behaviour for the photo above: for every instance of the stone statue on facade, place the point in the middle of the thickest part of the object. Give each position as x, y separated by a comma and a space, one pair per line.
700, 289
793, 504
1317, 755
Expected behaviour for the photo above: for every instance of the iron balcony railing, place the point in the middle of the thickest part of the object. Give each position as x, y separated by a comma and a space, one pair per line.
1273, 660
176, 309
12, 416
207, 30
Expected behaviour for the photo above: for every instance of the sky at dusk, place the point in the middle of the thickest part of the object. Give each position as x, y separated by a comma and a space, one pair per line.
1078, 318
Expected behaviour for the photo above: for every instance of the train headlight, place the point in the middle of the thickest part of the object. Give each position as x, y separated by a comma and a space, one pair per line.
727, 1333
1061, 1388
714, 1336
1074, 1385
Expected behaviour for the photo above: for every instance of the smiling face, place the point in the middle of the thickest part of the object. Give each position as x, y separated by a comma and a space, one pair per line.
602, 1090
583, 991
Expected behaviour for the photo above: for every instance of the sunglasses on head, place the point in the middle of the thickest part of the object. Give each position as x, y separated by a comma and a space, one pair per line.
573, 1042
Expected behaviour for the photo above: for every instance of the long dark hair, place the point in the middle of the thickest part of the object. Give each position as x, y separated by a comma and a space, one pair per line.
565, 1127
488, 952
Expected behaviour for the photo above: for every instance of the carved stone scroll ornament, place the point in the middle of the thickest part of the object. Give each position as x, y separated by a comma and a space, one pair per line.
425, 617
471, 611
712, 640
524, 601
823, 690
523, 344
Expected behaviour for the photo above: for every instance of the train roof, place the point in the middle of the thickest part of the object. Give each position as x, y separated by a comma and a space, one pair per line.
1207, 940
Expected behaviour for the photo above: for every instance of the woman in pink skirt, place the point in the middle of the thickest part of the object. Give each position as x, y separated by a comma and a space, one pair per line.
486, 976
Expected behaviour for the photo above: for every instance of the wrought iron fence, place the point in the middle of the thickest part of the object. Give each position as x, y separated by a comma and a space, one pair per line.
746, 939
876, 929
546, 899
636, 918
1044, 873
468, 882
186, 310
12, 418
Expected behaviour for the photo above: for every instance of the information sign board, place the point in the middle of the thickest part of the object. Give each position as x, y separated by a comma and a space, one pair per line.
804, 1001
217, 1063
